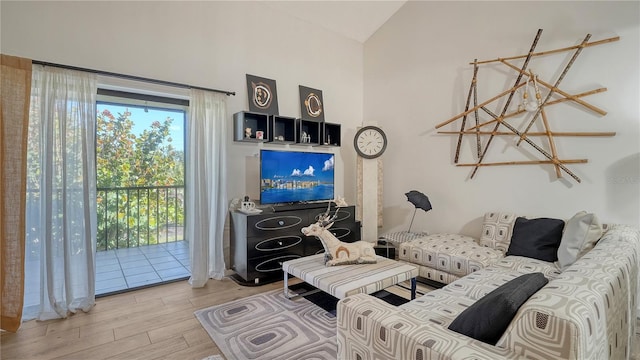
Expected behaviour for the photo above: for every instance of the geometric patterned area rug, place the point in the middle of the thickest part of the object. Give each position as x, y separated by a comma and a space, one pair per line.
270, 326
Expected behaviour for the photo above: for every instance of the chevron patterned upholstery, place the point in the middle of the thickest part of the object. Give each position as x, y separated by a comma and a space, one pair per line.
585, 312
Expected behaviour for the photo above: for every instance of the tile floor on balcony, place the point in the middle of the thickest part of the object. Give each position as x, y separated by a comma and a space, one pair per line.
122, 269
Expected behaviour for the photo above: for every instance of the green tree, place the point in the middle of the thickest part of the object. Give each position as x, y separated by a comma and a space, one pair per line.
114, 148
140, 180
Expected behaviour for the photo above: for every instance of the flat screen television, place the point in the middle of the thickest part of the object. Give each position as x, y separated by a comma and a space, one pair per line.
295, 176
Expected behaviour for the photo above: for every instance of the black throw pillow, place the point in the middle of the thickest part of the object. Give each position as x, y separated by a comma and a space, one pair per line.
488, 318
536, 238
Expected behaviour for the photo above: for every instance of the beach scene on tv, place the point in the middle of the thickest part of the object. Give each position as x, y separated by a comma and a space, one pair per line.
291, 176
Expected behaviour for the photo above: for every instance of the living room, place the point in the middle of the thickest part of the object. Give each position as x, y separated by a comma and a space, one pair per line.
410, 75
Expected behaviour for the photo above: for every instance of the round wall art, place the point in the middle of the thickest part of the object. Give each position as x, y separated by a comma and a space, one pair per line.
262, 94
311, 105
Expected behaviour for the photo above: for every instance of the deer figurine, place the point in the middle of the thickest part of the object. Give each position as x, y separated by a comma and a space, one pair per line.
336, 251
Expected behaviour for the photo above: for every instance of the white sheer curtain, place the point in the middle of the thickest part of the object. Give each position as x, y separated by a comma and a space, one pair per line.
206, 185
61, 214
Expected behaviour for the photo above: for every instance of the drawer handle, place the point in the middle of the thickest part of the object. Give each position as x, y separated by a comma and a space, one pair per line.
280, 243
281, 222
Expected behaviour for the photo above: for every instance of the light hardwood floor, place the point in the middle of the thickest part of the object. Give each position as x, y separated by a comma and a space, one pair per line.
153, 323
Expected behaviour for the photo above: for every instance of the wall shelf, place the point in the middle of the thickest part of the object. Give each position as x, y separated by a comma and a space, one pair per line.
330, 134
308, 132
255, 121
284, 130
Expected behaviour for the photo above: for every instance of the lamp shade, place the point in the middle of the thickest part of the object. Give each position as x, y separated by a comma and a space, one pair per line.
419, 200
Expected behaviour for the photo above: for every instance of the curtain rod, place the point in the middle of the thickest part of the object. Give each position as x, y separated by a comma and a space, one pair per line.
131, 77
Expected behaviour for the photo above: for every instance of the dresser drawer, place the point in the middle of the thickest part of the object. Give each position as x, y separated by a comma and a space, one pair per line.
279, 244
340, 232
263, 225
348, 232
268, 265
260, 243
344, 214
313, 246
354, 234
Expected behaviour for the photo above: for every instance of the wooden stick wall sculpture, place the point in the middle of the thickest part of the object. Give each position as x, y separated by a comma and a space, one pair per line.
506, 106
524, 78
472, 91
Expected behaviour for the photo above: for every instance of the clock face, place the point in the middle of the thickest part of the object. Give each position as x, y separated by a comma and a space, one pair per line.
370, 142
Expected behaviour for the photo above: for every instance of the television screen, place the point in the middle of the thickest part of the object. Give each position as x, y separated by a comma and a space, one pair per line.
294, 176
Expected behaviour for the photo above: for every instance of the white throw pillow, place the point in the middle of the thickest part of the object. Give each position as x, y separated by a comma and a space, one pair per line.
581, 233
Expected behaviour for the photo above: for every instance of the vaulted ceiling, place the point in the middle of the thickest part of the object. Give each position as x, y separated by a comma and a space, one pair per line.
357, 20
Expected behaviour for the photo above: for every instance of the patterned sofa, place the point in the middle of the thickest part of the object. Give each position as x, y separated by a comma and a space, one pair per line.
444, 258
586, 311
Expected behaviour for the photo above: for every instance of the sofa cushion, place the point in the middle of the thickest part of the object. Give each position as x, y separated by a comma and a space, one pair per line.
450, 253
497, 228
397, 238
488, 318
536, 238
478, 284
580, 235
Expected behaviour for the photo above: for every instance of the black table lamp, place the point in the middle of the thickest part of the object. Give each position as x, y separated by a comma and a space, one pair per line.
419, 200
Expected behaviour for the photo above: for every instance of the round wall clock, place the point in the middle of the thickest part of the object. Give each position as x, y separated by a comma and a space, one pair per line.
370, 142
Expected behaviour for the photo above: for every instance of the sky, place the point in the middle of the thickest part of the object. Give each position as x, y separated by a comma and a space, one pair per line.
297, 165
142, 120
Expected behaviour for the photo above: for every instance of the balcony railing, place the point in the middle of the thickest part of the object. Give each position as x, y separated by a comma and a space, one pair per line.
135, 216
127, 217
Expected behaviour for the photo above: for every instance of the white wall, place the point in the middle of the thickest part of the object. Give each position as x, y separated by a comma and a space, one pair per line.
417, 75
208, 44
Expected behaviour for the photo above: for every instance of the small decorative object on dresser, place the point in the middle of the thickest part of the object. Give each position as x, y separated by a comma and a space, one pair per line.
336, 251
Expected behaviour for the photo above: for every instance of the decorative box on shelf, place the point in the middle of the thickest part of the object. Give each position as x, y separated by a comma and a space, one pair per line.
276, 129
283, 129
250, 127
330, 134
308, 132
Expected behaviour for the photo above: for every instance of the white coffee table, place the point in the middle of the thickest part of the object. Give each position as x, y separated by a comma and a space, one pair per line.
344, 280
